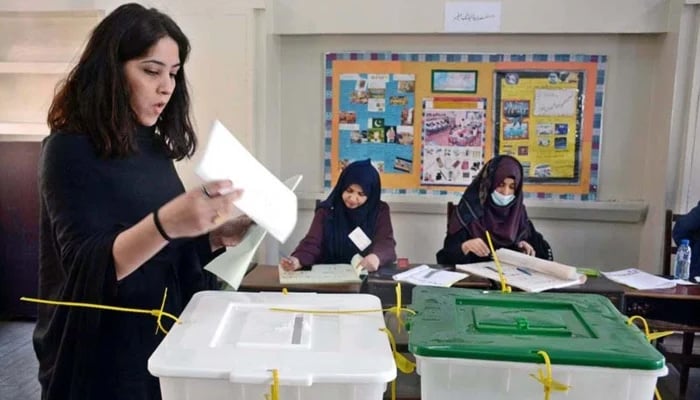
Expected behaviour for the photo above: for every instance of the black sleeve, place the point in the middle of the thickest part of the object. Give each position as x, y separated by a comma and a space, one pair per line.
451, 252
77, 265
542, 248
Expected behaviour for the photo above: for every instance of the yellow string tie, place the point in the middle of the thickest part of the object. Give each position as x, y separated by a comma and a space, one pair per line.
650, 336
505, 288
402, 363
284, 291
156, 313
274, 387
545, 377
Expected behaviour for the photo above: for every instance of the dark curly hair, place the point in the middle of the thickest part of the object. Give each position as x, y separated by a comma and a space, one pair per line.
94, 98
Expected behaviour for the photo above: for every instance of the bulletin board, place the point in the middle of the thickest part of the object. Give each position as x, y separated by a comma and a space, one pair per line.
428, 122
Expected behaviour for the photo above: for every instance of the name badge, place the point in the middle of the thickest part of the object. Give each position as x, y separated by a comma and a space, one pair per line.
360, 239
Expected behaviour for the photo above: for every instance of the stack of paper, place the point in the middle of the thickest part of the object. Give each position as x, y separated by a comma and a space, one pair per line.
639, 280
325, 274
525, 272
423, 275
265, 199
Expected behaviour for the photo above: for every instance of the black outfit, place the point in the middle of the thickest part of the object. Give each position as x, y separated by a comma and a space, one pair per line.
451, 253
477, 214
86, 201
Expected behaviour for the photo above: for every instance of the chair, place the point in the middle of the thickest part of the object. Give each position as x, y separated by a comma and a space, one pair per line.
669, 248
685, 359
450, 209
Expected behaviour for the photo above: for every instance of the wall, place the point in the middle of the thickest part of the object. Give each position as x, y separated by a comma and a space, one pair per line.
627, 105
257, 66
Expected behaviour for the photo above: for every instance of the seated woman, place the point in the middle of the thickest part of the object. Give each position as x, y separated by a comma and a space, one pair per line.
353, 203
493, 203
688, 227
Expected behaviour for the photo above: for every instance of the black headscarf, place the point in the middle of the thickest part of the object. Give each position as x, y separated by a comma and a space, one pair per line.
337, 247
477, 213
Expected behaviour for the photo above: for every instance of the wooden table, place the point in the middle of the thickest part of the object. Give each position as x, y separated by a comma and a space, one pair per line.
675, 309
602, 286
381, 284
265, 278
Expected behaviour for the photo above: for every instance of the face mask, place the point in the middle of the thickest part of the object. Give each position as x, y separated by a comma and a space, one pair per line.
501, 200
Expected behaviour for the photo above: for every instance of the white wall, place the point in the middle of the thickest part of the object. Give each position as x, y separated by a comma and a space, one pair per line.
628, 104
256, 65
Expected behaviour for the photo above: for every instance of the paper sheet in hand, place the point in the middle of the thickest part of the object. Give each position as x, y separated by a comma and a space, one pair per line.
639, 280
423, 275
266, 200
325, 274
231, 265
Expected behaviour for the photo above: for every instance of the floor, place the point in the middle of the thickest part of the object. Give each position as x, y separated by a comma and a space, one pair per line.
18, 367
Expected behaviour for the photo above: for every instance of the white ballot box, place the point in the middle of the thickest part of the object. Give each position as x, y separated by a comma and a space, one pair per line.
228, 345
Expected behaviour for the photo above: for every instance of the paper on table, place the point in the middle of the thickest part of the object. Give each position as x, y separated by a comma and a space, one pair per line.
526, 279
232, 264
324, 274
423, 275
561, 271
266, 200
639, 280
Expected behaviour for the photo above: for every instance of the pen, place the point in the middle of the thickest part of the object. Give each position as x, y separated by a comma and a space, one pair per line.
523, 270
492, 268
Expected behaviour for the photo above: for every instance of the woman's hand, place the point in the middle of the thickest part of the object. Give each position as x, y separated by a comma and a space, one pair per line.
231, 233
476, 246
290, 263
526, 248
199, 210
370, 262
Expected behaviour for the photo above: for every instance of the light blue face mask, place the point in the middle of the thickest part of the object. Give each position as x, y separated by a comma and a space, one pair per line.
501, 200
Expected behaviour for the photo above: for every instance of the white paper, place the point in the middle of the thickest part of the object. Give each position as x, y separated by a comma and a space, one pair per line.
232, 264
324, 274
359, 237
520, 277
555, 102
423, 275
473, 16
561, 271
639, 280
265, 199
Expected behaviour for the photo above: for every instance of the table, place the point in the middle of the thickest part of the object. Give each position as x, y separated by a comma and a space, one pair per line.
265, 278
602, 286
675, 309
678, 305
381, 284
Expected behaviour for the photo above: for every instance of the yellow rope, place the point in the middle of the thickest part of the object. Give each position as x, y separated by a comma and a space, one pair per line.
545, 377
505, 288
274, 387
650, 336
156, 313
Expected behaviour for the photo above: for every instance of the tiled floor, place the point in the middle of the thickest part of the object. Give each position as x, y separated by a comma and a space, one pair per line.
18, 367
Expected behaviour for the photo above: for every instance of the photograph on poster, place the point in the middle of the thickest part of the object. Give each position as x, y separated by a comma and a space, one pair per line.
516, 114
453, 81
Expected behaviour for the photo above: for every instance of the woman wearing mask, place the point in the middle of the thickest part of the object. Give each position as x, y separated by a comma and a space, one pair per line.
493, 203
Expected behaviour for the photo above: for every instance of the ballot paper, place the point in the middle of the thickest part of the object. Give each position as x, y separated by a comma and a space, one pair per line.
266, 200
232, 265
639, 279
423, 275
325, 274
525, 272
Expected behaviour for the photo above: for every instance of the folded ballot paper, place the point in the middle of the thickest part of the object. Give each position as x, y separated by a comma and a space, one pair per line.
232, 265
525, 272
266, 200
325, 274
